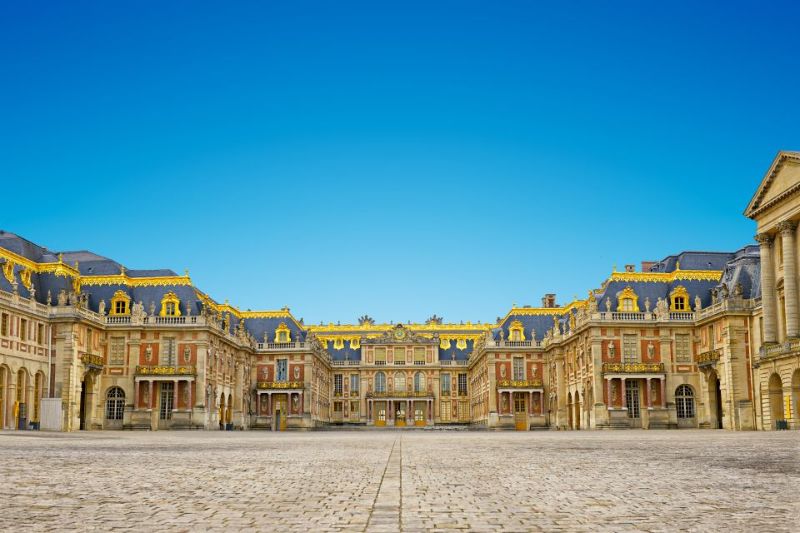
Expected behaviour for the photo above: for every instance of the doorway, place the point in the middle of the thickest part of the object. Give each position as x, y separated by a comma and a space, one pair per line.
520, 412
82, 408
279, 423
634, 407
166, 405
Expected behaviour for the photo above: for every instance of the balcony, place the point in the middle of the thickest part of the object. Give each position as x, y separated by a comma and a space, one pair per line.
707, 358
346, 362
165, 370
400, 394
95, 362
633, 368
687, 316
453, 362
519, 384
280, 346
279, 385
777, 350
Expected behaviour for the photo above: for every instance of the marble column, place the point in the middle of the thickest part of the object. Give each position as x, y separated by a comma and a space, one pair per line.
769, 298
787, 229
624, 396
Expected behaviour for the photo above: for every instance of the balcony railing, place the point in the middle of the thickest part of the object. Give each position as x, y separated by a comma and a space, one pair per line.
346, 362
95, 361
453, 362
687, 316
520, 384
270, 385
777, 350
707, 358
633, 368
280, 345
400, 394
164, 370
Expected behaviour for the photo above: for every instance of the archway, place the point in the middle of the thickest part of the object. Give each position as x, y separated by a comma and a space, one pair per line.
222, 411
38, 387
578, 407
775, 399
569, 411
3, 390
714, 401
21, 404
229, 413
84, 413
115, 408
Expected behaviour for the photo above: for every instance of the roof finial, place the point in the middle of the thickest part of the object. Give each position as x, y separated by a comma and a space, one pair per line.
678, 265
186, 272
614, 268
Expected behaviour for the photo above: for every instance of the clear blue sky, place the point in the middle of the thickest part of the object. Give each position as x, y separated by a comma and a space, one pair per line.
397, 159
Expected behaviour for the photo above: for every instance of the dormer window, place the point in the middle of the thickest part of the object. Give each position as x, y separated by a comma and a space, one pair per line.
283, 334
628, 300
120, 303
679, 300
170, 305
516, 332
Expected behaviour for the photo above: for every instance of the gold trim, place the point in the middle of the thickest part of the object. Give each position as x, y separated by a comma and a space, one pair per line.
667, 277
170, 298
627, 294
679, 292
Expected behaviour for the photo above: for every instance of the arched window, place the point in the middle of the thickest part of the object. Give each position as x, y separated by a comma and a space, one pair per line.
419, 382
115, 403
516, 331
120, 303
679, 299
170, 305
628, 300
380, 382
684, 401
283, 334
399, 381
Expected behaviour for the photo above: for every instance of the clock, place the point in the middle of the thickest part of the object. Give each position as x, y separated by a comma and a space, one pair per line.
399, 333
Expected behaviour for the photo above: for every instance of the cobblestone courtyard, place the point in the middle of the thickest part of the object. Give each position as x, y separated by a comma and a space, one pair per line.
401, 480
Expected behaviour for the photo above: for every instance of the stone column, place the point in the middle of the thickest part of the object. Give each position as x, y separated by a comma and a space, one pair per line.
647, 396
769, 297
541, 404
787, 229
175, 394
624, 396
609, 402
135, 394
663, 392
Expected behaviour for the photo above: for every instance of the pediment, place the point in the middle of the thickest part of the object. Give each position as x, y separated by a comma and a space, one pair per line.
781, 181
400, 334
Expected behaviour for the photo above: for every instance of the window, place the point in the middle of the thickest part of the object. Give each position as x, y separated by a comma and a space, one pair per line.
399, 381
120, 307
684, 401
710, 333
115, 403
679, 299
628, 300
627, 305
170, 305
354, 383
88, 339
444, 411
120, 303
419, 355
444, 381
168, 352
519, 369
516, 331
399, 356
462, 384
337, 407
630, 349
380, 356
683, 352
284, 334
23, 329
117, 351
419, 382
380, 382
337, 384
680, 303
282, 370
40, 333
4, 325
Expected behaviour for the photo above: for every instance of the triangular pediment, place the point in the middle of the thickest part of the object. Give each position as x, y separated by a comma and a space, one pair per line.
781, 181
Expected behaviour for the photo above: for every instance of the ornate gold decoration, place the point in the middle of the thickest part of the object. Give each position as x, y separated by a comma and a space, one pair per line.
400, 394
707, 358
633, 368
679, 300
355, 343
516, 327
338, 343
628, 294
279, 385
8, 271
120, 297
170, 298
59, 269
25, 277
461, 343
666, 277
283, 333
95, 361
519, 384
444, 343
165, 370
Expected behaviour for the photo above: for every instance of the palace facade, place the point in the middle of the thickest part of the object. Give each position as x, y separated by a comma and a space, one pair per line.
696, 340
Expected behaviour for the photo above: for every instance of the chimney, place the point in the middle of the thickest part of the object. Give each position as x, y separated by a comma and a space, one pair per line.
630, 268
648, 265
549, 301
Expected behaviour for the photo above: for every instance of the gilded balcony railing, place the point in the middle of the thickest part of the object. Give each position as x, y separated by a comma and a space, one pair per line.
270, 385
519, 383
93, 360
633, 368
400, 394
707, 358
163, 370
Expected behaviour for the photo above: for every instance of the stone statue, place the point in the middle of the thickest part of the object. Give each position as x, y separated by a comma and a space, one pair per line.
714, 295
101, 308
503, 371
608, 304
188, 309
502, 335
698, 304
49, 298
738, 290
32, 292
533, 335
647, 305
152, 308
653, 392
148, 353
612, 349
724, 292
651, 350
62, 298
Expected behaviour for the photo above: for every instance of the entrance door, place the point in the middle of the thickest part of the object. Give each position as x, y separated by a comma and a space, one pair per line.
380, 414
632, 397
280, 414
419, 413
82, 408
520, 412
400, 414
166, 404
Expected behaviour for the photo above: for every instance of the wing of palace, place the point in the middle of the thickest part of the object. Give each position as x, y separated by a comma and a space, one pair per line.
697, 339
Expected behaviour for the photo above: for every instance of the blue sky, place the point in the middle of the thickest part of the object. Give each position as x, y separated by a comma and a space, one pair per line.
397, 159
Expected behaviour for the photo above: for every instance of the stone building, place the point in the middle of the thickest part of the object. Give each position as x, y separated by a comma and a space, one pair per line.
696, 340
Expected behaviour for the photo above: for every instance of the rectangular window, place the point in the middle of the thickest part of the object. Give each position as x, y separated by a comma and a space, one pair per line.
337, 407
354, 383
23, 329
710, 336
40, 333
282, 371
519, 369
462, 384
683, 352
168, 352
337, 384
419, 355
444, 411
4, 325
380, 356
399, 356
120, 307
117, 355
445, 383
354, 409
630, 349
